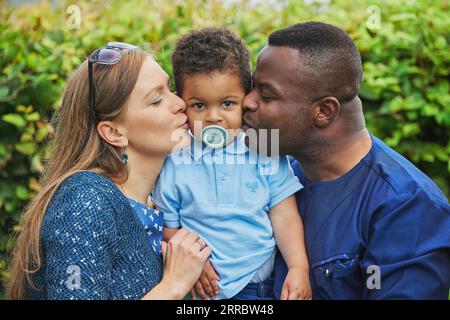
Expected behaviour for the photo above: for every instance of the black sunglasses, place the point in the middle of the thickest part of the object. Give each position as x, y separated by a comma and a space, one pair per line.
109, 55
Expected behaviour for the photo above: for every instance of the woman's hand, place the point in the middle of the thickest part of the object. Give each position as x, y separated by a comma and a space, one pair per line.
184, 257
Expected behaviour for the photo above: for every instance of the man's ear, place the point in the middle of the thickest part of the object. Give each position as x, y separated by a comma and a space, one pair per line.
112, 133
325, 111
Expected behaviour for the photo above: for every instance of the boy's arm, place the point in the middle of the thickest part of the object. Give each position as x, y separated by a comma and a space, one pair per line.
289, 235
168, 233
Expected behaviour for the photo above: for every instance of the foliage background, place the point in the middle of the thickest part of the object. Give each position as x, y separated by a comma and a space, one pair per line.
405, 89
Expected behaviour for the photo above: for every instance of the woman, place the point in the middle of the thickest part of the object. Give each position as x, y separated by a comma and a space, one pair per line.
80, 238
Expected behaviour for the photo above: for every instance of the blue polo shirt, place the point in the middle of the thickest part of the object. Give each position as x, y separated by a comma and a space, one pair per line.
224, 195
383, 218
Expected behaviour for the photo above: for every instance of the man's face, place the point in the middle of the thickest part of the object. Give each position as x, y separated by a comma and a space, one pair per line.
279, 99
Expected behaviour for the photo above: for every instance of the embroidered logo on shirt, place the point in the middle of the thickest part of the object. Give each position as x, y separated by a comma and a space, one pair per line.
252, 186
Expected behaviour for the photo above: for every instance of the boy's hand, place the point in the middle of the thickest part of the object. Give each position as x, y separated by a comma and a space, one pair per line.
297, 285
207, 283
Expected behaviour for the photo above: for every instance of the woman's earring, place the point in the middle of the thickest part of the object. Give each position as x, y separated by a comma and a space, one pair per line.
124, 154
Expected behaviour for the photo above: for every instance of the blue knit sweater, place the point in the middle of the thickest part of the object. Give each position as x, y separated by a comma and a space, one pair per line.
93, 245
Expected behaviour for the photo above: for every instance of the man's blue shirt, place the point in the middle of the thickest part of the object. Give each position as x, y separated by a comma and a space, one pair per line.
383, 215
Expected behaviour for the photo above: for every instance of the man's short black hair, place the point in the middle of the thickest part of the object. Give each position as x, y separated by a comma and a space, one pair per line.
208, 50
330, 54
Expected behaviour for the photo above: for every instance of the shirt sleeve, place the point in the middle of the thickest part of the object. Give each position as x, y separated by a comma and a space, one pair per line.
281, 179
409, 244
78, 237
166, 196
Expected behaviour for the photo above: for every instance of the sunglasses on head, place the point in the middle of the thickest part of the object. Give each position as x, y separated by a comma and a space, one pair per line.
109, 55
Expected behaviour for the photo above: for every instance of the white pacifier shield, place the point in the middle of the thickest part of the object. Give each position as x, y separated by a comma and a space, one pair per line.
214, 136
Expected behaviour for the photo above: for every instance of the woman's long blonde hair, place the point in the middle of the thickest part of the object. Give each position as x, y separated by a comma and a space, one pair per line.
76, 147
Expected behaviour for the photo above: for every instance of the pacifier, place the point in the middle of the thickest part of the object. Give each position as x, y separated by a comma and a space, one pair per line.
214, 136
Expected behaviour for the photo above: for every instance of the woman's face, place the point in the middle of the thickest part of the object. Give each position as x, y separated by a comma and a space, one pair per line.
154, 122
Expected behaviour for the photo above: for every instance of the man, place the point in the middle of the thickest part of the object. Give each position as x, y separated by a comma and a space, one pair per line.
376, 227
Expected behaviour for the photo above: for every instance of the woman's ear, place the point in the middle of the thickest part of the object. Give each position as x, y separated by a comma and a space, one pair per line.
325, 111
112, 133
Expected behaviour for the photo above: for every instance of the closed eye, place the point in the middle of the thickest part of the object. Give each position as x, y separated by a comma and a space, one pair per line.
156, 101
266, 98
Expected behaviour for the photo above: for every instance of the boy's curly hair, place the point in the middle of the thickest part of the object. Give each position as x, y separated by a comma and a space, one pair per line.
208, 50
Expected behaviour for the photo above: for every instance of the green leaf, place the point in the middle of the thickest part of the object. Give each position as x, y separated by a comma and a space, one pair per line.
10, 206
3, 150
410, 129
441, 154
428, 156
35, 116
26, 148
15, 119
32, 60
42, 133
441, 43
4, 91
22, 193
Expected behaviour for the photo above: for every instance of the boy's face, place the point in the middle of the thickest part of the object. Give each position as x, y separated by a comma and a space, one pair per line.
213, 99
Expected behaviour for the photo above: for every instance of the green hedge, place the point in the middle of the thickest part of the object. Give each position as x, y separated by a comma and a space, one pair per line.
405, 89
